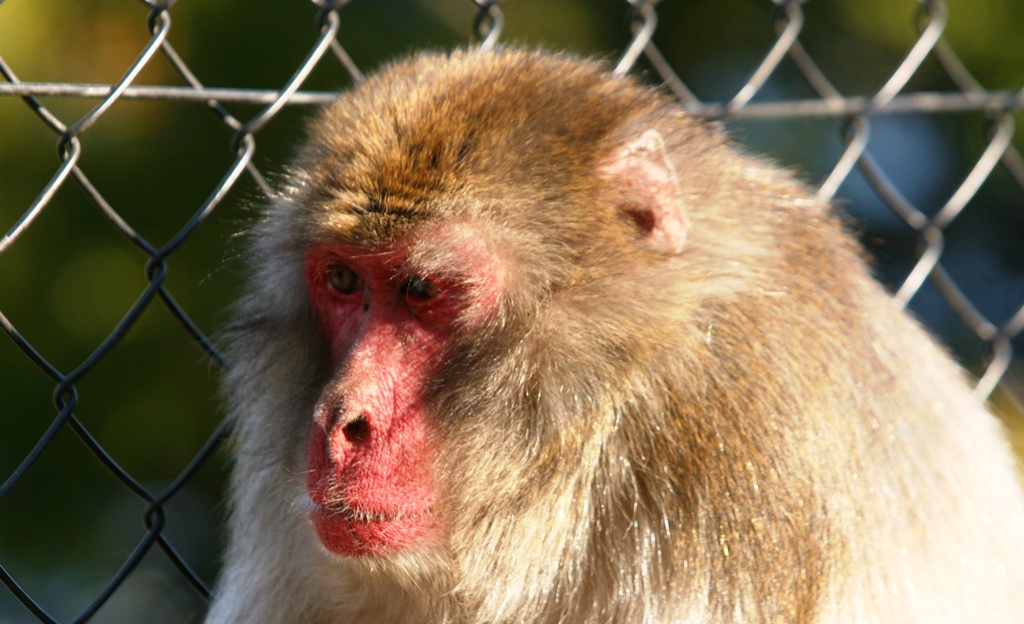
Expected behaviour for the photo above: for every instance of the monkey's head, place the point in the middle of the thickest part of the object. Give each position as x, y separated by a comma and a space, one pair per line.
525, 343
476, 232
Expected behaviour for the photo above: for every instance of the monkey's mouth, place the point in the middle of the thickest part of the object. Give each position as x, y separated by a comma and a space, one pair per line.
355, 532
362, 515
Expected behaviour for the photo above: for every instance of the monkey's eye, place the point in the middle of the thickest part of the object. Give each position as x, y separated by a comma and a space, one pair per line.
419, 289
344, 280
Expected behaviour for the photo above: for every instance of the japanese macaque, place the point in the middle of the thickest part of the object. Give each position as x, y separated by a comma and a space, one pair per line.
523, 342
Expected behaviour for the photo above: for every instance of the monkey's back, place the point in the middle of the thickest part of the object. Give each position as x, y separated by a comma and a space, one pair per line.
852, 425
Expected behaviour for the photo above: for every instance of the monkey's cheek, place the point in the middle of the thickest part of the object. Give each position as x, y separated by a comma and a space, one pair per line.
345, 535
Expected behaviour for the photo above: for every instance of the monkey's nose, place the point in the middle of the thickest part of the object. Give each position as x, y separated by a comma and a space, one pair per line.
357, 431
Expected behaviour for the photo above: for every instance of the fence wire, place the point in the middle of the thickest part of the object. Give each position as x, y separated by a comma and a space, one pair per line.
856, 114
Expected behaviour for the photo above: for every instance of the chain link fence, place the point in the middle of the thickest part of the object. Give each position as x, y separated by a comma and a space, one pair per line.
854, 170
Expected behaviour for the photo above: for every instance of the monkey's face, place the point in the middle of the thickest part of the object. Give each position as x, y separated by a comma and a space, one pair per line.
474, 284
387, 316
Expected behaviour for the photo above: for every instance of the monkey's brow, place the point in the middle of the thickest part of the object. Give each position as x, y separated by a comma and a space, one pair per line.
373, 253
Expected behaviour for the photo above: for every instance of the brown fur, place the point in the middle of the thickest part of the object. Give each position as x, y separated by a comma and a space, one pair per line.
748, 431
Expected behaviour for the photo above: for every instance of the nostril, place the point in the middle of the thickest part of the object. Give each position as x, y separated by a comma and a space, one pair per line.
357, 431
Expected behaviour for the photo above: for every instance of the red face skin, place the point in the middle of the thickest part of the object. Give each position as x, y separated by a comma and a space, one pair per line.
370, 473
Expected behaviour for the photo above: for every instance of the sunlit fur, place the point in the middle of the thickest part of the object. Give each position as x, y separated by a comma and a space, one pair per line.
748, 431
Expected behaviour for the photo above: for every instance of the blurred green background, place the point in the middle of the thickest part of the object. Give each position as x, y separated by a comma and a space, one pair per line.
64, 284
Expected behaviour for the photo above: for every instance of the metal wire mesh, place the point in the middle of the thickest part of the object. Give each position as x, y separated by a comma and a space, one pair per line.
856, 114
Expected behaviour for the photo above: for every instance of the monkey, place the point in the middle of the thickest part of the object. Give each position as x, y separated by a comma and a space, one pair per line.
523, 342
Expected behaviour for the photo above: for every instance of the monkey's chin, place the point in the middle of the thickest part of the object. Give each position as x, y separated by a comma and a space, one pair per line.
354, 533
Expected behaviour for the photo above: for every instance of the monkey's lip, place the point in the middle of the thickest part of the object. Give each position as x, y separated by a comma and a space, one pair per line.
355, 532
362, 515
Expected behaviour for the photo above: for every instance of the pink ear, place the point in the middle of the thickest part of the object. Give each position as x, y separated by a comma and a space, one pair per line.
644, 181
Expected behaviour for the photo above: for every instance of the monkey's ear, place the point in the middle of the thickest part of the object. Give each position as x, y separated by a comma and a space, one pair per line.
644, 182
